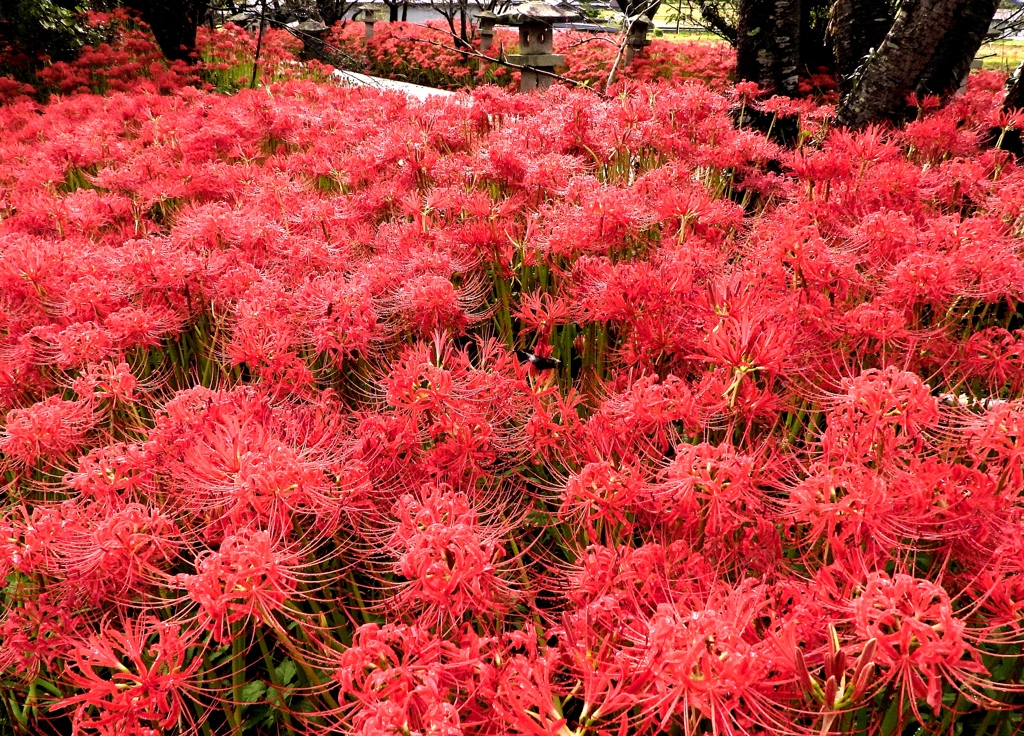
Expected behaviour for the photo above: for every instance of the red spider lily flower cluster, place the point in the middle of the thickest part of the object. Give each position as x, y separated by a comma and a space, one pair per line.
324, 411
129, 59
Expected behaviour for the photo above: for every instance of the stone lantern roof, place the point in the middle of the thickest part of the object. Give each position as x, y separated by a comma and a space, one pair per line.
539, 12
310, 26
366, 15
642, 20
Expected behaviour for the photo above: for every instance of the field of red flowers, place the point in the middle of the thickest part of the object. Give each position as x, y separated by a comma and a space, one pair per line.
421, 54
426, 54
327, 412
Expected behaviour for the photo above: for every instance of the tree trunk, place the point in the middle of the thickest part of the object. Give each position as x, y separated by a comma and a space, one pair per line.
880, 86
405, 11
958, 48
1015, 90
856, 27
768, 44
173, 22
1009, 139
754, 16
393, 11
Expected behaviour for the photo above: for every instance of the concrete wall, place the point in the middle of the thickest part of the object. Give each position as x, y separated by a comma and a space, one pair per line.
422, 12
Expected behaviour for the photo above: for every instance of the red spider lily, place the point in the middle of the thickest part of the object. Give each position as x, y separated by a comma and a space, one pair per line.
112, 551
705, 663
448, 558
625, 582
239, 462
36, 636
135, 679
851, 510
540, 312
921, 643
713, 495
397, 679
608, 680
116, 383
603, 494
1000, 589
430, 303
249, 577
748, 339
646, 417
881, 414
263, 374
32, 539
464, 415
50, 429
995, 355
994, 440
115, 471
528, 698
342, 317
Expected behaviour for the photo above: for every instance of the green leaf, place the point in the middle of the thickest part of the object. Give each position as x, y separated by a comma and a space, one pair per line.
285, 672
253, 691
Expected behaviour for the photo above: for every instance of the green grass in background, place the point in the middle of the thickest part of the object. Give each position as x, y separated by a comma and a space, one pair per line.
1002, 55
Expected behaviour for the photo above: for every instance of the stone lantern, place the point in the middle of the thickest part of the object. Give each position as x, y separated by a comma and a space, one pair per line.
245, 20
367, 16
312, 33
536, 21
637, 39
486, 21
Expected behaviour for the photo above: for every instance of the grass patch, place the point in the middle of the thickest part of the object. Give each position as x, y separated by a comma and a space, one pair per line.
1004, 56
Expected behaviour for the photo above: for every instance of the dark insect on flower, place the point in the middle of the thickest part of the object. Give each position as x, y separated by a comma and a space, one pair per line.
541, 364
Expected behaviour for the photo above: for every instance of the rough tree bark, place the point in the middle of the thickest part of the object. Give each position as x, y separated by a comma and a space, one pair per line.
174, 24
1015, 90
921, 34
856, 27
958, 48
768, 44
1009, 139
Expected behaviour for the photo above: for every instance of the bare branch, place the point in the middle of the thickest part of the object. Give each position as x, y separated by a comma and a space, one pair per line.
595, 39
627, 27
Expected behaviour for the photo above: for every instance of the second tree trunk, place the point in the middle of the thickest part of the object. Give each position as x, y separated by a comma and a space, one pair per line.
857, 27
768, 44
927, 50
